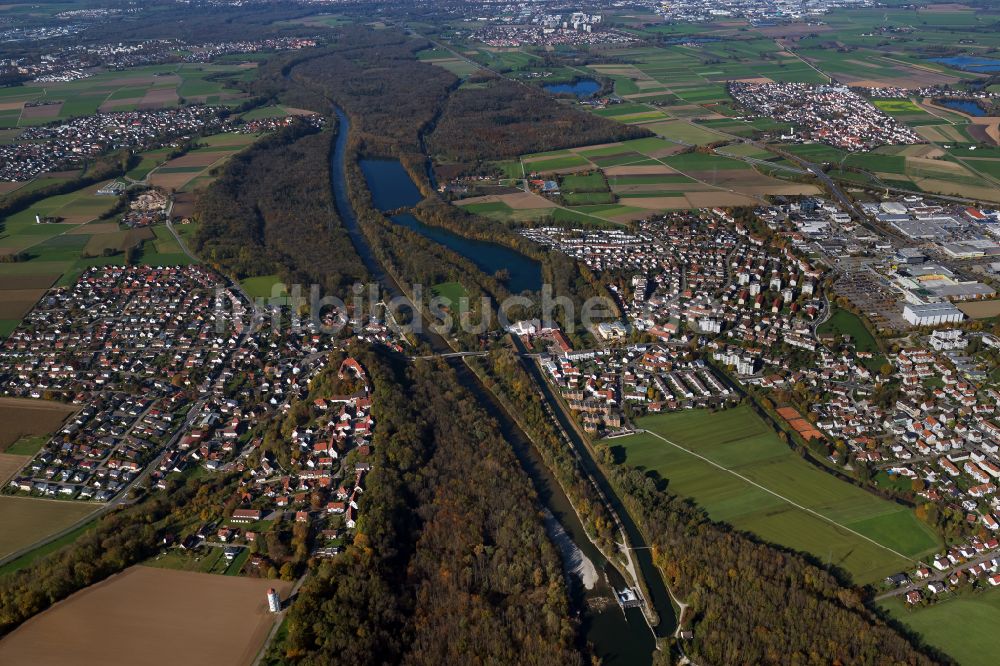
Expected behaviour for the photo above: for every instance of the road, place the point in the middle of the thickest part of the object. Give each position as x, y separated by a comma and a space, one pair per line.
937, 576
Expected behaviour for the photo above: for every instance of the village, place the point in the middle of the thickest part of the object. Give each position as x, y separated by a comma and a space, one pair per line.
826, 113
173, 375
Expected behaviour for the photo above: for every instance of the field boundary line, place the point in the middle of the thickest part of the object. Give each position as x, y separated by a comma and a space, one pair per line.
779, 496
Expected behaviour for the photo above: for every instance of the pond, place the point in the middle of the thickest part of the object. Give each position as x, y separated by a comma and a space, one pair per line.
524, 273
967, 106
582, 88
971, 63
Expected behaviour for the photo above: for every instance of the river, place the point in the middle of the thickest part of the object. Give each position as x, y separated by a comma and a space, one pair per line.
618, 638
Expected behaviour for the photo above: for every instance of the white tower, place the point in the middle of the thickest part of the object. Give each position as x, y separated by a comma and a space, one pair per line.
273, 600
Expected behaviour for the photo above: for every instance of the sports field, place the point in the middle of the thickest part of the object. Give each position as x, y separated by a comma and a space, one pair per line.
964, 627
735, 467
166, 616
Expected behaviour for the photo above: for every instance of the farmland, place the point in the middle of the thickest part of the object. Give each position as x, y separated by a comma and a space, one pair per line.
27, 520
20, 418
648, 175
736, 468
150, 87
192, 617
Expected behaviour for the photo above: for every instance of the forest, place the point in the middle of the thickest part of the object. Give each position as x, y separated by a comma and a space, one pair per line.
272, 211
450, 563
503, 119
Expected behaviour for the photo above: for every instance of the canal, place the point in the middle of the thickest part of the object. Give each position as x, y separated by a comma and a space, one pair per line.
618, 637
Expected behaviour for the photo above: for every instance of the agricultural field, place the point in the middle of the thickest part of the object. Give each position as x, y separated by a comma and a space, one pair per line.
26, 520
190, 617
192, 170
733, 465
963, 627
21, 417
10, 463
149, 87
649, 175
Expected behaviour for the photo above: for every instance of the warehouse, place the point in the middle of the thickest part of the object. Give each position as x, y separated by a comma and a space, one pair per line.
932, 314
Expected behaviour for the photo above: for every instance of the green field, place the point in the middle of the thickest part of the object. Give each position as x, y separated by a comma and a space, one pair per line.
843, 322
963, 627
453, 291
260, 287
28, 445
750, 479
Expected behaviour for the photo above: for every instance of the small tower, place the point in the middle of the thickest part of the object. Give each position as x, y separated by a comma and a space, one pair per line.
273, 600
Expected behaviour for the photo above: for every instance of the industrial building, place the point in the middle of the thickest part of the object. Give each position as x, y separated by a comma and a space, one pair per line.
931, 314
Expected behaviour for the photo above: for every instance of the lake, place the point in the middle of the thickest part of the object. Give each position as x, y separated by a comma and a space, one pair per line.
971, 63
390, 184
525, 273
392, 188
964, 105
582, 88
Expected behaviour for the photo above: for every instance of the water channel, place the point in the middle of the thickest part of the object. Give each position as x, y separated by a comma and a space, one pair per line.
618, 637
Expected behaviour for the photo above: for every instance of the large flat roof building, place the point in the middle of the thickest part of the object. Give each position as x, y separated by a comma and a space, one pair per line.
931, 314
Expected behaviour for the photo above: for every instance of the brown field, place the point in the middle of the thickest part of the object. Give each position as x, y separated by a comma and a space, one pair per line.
933, 133
9, 464
198, 159
113, 104
184, 205
22, 416
46, 111
517, 200
639, 170
28, 281
292, 111
8, 186
95, 228
958, 189
27, 520
723, 199
990, 126
158, 97
118, 240
10, 106
170, 180
168, 617
980, 309
15, 303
